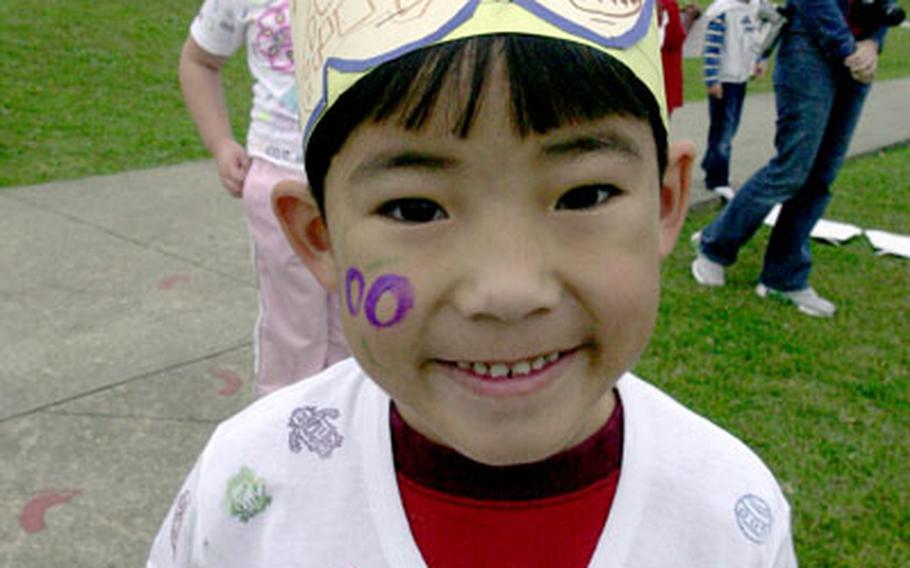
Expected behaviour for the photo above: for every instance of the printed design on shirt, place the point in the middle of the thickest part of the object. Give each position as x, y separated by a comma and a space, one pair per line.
312, 428
747, 24
273, 41
289, 99
753, 515
246, 496
183, 503
280, 153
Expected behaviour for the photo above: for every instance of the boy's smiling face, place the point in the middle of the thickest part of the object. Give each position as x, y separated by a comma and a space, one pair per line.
495, 286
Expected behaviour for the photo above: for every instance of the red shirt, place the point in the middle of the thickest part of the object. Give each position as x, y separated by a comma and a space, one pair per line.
546, 514
671, 52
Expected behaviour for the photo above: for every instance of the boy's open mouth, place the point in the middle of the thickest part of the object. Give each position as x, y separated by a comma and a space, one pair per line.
504, 371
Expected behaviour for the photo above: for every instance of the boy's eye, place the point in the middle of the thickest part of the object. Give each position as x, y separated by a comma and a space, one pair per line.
412, 210
586, 197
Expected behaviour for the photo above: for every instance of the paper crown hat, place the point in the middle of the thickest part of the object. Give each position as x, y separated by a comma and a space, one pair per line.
336, 42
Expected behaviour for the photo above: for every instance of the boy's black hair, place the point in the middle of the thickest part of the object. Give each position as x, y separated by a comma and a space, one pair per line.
552, 83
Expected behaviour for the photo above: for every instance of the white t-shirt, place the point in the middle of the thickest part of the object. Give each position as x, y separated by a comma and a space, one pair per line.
305, 478
221, 27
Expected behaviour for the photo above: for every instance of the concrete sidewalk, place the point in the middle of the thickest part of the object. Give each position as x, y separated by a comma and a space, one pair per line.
127, 305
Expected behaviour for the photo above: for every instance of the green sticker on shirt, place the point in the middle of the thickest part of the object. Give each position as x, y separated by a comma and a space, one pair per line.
245, 496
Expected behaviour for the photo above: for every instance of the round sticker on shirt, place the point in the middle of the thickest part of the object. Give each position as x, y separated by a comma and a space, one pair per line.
753, 515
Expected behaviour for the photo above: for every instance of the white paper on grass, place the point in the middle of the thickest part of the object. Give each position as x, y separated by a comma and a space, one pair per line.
832, 232
889, 243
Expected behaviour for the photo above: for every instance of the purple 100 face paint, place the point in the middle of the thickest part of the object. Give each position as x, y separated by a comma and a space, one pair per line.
358, 296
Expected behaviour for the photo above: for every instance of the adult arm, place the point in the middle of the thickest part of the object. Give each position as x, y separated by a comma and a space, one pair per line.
200, 81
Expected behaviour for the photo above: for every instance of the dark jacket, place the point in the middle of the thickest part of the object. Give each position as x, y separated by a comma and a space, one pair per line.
826, 22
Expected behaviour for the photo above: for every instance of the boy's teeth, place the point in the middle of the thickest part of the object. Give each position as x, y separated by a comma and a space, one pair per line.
522, 368
502, 370
499, 370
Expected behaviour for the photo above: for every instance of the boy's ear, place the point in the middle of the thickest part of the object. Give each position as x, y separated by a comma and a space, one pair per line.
674, 193
305, 229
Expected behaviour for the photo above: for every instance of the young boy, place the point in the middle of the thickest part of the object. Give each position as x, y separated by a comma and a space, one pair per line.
492, 195
731, 58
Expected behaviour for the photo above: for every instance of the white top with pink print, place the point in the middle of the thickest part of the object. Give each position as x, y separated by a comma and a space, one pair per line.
221, 27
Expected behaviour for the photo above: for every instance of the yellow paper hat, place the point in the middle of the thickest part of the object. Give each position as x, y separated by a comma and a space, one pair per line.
336, 42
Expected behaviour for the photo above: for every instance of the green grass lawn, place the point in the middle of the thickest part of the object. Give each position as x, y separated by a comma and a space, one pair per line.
825, 402
90, 87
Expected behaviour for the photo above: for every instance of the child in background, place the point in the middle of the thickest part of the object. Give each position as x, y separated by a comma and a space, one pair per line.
674, 26
492, 192
731, 58
298, 331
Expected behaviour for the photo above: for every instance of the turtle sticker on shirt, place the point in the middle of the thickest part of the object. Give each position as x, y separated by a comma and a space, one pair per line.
245, 495
312, 428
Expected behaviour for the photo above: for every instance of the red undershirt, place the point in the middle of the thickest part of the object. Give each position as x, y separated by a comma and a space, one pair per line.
545, 514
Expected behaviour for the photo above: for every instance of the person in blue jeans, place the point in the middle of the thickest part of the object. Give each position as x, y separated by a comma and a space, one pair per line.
731, 57
821, 79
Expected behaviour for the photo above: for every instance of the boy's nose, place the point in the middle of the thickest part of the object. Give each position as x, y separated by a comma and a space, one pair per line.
506, 279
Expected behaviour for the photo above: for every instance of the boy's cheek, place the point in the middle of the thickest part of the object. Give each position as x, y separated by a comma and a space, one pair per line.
377, 308
376, 301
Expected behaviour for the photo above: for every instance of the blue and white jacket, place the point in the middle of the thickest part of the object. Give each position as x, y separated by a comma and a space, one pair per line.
732, 40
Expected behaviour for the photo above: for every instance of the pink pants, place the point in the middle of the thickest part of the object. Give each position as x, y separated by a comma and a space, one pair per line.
298, 332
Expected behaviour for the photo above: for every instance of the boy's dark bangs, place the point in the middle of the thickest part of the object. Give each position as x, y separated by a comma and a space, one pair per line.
553, 83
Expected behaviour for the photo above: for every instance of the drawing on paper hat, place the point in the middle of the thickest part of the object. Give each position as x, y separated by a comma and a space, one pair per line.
338, 41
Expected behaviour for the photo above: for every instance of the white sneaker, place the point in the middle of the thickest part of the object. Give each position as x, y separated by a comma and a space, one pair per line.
707, 272
806, 300
724, 191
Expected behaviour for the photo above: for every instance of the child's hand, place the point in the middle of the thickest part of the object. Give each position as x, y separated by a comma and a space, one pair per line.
760, 69
863, 61
690, 13
716, 91
233, 164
